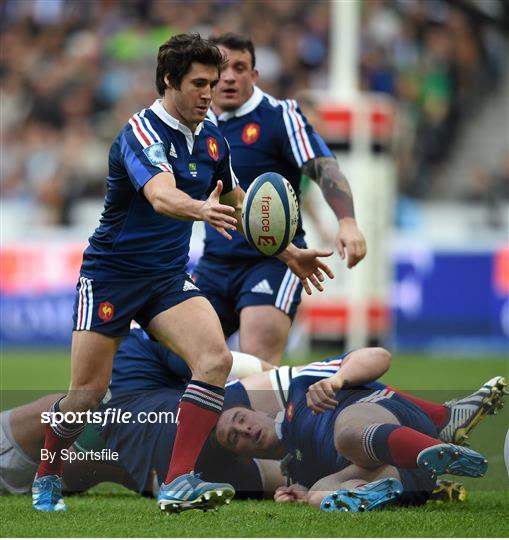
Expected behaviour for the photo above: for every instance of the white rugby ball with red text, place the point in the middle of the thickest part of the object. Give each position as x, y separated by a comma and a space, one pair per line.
270, 213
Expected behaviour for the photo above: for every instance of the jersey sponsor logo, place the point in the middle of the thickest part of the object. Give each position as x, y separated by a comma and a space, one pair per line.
173, 152
147, 136
290, 412
213, 148
106, 311
251, 133
188, 286
156, 154
263, 287
193, 169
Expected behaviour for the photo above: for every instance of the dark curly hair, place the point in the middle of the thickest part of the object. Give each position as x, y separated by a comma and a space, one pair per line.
176, 56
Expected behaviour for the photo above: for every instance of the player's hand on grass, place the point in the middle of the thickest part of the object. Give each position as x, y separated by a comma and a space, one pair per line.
350, 242
321, 396
217, 214
307, 266
293, 493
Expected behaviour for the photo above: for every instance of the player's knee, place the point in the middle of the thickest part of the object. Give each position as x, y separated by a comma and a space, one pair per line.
215, 366
348, 440
265, 345
222, 364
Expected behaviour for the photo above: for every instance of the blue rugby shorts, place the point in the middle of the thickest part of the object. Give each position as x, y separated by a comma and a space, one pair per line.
109, 306
233, 285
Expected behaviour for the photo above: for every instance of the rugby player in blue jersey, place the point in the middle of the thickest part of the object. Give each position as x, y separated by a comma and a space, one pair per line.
355, 445
249, 291
167, 168
148, 378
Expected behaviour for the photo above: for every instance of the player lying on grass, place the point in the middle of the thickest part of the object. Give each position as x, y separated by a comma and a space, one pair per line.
147, 377
351, 444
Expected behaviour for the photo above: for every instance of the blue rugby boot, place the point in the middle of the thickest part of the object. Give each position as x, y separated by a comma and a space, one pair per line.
189, 491
452, 459
47, 494
363, 498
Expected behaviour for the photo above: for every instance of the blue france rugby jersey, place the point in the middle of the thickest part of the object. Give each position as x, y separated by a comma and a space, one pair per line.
133, 240
264, 135
310, 437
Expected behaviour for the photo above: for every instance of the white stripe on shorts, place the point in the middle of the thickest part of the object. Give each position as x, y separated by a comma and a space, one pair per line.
286, 291
85, 304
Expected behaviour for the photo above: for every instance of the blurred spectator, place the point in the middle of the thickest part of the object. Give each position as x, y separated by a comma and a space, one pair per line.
72, 72
492, 189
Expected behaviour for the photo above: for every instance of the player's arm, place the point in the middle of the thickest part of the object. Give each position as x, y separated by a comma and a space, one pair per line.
164, 196
359, 367
336, 190
304, 263
150, 172
271, 476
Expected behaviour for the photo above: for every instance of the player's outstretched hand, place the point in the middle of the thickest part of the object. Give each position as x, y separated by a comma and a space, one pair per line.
350, 241
307, 266
293, 493
217, 214
321, 396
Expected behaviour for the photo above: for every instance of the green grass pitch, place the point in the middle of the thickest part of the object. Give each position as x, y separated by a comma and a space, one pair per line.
112, 511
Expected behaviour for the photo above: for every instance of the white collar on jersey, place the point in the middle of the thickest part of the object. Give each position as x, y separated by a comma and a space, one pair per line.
278, 421
247, 107
167, 118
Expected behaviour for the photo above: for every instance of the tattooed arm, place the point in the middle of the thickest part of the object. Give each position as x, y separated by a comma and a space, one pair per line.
336, 190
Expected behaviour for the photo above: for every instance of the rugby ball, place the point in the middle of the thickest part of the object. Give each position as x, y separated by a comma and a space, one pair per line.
270, 213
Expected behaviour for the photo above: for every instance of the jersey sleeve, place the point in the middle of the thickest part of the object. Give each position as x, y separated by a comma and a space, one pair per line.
318, 370
224, 172
142, 151
299, 141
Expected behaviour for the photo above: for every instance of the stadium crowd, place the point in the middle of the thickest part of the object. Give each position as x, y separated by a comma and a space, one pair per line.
72, 72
